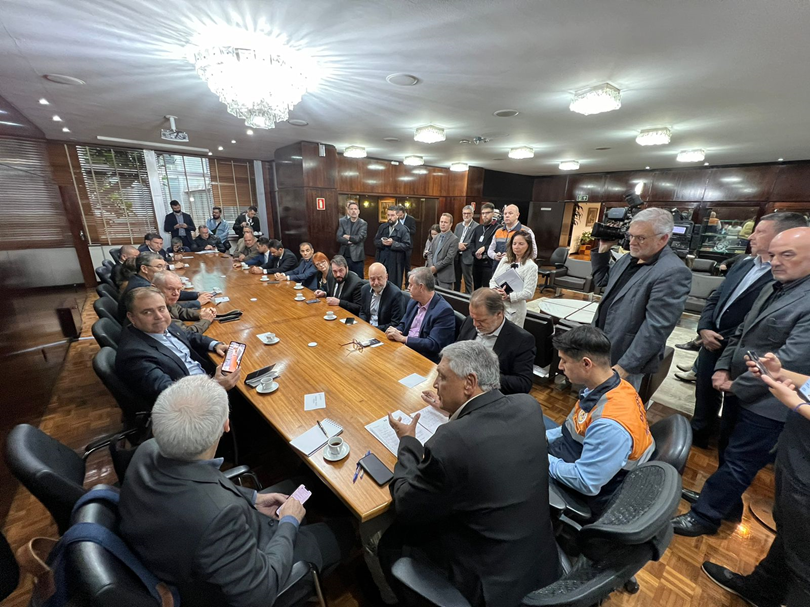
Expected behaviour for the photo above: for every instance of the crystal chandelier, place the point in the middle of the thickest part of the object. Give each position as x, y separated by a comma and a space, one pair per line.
602, 98
691, 155
659, 136
260, 86
521, 153
459, 167
413, 161
569, 165
429, 134
354, 151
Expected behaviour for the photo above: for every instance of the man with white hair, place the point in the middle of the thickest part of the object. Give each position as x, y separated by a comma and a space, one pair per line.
171, 286
218, 543
644, 295
474, 498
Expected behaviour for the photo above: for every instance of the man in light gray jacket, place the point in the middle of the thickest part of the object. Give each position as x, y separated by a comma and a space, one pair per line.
779, 322
464, 259
445, 251
351, 236
644, 296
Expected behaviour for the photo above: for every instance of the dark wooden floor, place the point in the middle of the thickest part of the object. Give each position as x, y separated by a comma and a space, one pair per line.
80, 410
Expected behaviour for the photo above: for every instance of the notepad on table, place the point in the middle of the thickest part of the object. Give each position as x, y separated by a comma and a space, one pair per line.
429, 421
314, 438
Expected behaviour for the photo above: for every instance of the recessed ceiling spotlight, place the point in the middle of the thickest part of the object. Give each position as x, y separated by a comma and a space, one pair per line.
297, 122
521, 153
569, 165
65, 129
57, 119
61, 79
43, 101
414, 161
354, 151
780, 159
249, 131
220, 148
691, 155
402, 79
705, 164
505, 113
391, 139
648, 168
597, 99
429, 134
233, 140
602, 149
210, 153
658, 136
459, 167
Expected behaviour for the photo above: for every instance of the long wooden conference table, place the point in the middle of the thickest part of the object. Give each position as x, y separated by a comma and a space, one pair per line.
360, 386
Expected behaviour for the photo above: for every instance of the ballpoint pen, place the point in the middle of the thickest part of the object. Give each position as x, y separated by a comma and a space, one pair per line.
322, 430
359, 469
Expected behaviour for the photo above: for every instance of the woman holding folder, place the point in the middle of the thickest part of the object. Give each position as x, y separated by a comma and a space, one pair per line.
515, 278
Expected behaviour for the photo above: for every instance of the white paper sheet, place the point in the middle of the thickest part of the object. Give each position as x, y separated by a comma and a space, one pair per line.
413, 380
383, 432
314, 401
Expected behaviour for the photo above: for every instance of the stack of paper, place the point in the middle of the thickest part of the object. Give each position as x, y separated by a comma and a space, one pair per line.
429, 421
315, 438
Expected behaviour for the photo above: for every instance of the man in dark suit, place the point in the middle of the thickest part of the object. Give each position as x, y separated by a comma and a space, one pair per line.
380, 301
206, 241
154, 243
779, 322
128, 251
393, 242
248, 219
351, 236
513, 345
342, 286
429, 323
218, 543
725, 310
272, 258
464, 260
410, 224
481, 239
152, 354
644, 297
474, 498
179, 224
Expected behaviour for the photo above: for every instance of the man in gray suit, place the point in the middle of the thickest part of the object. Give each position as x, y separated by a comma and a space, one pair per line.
645, 295
351, 236
445, 251
219, 544
779, 322
464, 259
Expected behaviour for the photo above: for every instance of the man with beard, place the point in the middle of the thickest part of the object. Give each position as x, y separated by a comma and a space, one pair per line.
342, 287
393, 242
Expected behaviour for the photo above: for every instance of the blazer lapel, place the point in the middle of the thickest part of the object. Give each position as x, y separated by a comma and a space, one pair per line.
620, 266
788, 299
153, 343
747, 264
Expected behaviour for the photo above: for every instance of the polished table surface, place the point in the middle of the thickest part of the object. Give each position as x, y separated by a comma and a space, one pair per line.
360, 387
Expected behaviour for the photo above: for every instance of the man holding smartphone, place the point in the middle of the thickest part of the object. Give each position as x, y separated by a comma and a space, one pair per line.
778, 322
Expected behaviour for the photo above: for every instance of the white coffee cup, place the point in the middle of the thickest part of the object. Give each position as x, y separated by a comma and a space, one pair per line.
264, 279
330, 314
299, 297
334, 446
298, 284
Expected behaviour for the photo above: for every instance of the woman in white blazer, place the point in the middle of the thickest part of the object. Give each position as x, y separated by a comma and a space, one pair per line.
518, 257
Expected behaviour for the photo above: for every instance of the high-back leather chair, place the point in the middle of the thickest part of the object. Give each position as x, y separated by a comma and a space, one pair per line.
557, 260
107, 333
652, 381
135, 408
105, 290
577, 278
52, 472
703, 285
115, 254
108, 264
105, 275
460, 302
106, 307
460, 318
704, 266
673, 441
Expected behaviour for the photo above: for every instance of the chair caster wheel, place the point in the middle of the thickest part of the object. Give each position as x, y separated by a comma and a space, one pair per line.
631, 586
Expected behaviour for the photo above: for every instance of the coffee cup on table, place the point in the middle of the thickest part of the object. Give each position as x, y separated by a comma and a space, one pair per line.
299, 297
330, 314
298, 284
334, 446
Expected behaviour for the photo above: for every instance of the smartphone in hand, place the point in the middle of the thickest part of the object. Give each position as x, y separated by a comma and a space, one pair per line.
233, 358
758, 362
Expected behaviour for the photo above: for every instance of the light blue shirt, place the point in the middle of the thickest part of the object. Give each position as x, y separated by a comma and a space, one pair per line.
605, 452
220, 230
179, 349
759, 269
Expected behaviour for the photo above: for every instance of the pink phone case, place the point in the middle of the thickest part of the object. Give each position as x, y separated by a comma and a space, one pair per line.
302, 494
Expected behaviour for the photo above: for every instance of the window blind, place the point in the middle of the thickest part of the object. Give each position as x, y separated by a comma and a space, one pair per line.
32, 213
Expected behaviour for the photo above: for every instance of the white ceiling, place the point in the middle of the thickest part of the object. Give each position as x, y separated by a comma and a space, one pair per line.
728, 76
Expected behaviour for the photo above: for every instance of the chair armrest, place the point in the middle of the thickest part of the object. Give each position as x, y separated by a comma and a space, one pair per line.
105, 441
428, 582
300, 571
237, 472
575, 506
561, 271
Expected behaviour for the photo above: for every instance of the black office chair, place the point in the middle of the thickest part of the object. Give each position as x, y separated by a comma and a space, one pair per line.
9, 570
652, 381
634, 529
96, 578
673, 441
115, 254
557, 259
135, 409
460, 318
106, 333
105, 275
106, 307
108, 264
105, 290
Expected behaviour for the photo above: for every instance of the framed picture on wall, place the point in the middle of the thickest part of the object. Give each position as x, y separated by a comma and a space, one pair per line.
593, 214
385, 204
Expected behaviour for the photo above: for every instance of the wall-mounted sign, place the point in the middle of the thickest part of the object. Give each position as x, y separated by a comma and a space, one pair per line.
320, 204
582, 198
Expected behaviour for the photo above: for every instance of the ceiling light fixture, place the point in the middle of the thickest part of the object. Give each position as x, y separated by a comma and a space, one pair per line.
354, 151
569, 165
459, 167
402, 79
648, 168
233, 140
43, 101
521, 153
658, 136
391, 139
505, 113
220, 148
780, 159
65, 129
691, 155
249, 131
210, 153
57, 119
429, 134
414, 161
62, 79
705, 164
297, 122
597, 99
260, 83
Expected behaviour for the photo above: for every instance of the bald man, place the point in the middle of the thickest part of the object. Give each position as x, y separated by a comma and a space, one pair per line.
171, 286
381, 303
127, 252
497, 248
779, 322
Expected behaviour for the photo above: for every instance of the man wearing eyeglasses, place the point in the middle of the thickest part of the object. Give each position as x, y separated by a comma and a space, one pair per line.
644, 295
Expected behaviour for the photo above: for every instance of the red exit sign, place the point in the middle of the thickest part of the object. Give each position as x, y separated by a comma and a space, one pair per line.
320, 204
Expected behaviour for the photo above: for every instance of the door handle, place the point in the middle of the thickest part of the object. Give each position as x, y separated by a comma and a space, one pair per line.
81, 235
